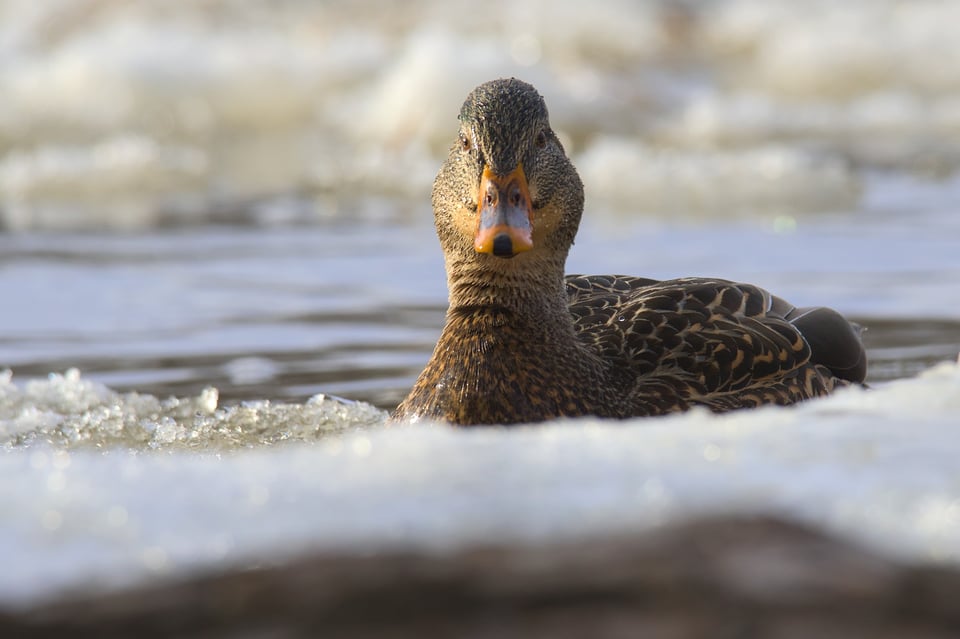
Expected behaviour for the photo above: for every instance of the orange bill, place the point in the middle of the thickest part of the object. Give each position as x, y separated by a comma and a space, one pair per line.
505, 224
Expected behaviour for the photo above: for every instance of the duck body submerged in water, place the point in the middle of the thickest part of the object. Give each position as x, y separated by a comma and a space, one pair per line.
524, 343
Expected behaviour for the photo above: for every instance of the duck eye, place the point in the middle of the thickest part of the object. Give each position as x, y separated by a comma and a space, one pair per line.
465, 144
541, 139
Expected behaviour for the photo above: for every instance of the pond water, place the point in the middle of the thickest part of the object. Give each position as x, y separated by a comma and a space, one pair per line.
219, 215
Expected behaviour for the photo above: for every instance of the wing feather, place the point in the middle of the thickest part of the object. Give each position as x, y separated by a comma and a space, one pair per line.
699, 340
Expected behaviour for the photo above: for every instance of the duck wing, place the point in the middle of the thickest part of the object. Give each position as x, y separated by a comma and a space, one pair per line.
712, 342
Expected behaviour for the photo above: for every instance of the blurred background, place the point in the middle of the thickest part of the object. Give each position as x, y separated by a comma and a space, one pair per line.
236, 193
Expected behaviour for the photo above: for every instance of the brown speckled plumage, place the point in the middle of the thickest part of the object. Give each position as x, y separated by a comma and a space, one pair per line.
523, 343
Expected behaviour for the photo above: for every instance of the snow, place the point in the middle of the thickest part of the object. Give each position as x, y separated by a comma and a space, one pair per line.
878, 466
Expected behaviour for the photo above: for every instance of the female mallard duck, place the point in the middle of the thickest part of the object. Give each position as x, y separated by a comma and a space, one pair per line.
522, 343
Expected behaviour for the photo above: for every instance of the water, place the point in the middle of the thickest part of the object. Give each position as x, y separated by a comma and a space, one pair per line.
285, 313
219, 215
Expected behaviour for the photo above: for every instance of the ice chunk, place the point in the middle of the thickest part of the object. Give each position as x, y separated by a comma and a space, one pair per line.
71, 412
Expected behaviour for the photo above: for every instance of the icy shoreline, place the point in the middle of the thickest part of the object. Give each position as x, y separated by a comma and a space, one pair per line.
878, 467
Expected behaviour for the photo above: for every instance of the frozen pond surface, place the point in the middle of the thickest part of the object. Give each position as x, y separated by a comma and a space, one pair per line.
218, 213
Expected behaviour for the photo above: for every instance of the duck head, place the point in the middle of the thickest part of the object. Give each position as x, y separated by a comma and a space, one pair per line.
507, 195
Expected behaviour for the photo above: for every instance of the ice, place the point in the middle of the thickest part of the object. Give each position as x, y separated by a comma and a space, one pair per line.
637, 179
180, 113
814, 144
126, 182
68, 411
878, 466
828, 48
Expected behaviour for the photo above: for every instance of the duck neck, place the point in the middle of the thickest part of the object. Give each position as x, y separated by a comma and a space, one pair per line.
532, 291
508, 352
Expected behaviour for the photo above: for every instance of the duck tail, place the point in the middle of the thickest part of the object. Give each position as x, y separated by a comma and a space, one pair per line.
834, 341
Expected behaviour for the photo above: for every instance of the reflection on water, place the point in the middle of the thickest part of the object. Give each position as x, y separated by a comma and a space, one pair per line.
284, 314
381, 373
354, 311
904, 347
378, 372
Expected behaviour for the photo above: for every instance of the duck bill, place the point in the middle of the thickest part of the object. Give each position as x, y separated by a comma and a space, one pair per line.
505, 225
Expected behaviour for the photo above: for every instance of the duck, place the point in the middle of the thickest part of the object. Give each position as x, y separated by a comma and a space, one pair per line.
523, 342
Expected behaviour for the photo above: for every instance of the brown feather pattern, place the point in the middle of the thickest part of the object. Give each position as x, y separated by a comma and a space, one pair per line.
524, 343
696, 341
